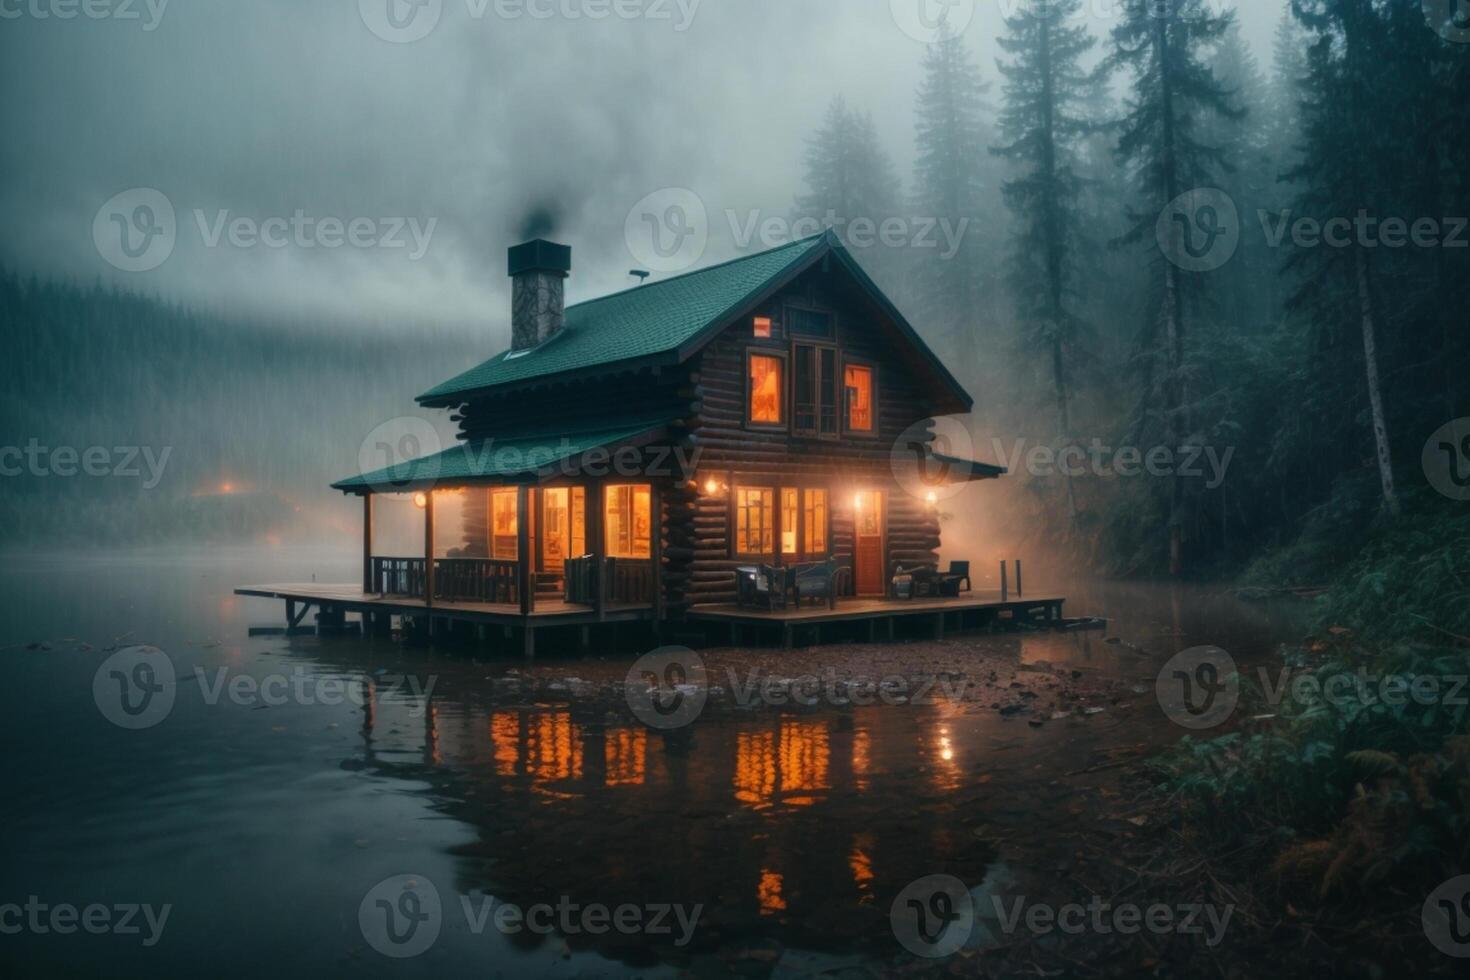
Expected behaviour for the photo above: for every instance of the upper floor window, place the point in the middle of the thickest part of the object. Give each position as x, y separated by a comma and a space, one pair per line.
814, 393
808, 323
763, 326
858, 383
767, 389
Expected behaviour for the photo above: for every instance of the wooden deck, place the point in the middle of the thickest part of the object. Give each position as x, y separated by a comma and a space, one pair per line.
351, 599
932, 616
970, 610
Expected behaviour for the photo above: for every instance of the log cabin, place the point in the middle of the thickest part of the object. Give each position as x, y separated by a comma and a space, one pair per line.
630, 455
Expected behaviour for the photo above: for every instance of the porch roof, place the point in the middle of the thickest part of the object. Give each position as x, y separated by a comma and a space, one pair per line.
957, 470
491, 461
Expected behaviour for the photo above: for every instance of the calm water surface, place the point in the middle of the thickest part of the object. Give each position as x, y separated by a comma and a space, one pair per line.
264, 826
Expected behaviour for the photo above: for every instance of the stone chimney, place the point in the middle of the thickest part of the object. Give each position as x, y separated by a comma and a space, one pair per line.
538, 270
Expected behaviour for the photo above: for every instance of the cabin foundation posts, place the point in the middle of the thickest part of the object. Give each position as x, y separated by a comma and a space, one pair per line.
528, 642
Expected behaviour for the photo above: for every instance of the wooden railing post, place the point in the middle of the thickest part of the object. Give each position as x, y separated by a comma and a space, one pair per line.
1004, 581
1019, 592
429, 548
367, 544
656, 545
525, 584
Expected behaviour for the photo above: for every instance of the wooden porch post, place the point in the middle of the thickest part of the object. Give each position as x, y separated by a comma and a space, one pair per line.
596, 543
525, 583
367, 544
429, 549
656, 544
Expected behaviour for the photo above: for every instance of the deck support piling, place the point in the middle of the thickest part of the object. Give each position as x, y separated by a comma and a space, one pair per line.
367, 543
429, 548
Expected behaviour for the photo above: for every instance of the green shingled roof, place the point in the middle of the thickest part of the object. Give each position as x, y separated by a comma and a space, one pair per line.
647, 320
492, 460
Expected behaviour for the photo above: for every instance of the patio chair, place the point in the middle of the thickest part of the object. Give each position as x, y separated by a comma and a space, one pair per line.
819, 580
949, 582
760, 585
914, 582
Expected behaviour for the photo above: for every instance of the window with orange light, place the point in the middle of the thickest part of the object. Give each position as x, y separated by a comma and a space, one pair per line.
790, 516
814, 522
755, 520
503, 526
627, 520
859, 384
763, 326
766, 389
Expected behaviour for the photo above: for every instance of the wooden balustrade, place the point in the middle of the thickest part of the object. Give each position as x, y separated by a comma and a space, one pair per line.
455, 579
625, 581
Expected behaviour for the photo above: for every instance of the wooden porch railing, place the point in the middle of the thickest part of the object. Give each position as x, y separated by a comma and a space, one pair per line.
455, 579
627, 581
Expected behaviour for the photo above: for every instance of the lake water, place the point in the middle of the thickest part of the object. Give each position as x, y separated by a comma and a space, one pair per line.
266, 808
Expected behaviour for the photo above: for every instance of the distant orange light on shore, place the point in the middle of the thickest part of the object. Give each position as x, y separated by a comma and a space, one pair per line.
226, 488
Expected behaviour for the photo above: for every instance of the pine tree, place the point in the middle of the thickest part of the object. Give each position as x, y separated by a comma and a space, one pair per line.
1042, 122
848, 175
1161, 44
951, 176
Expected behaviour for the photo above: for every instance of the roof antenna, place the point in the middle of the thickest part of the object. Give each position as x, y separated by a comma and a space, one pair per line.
640, 274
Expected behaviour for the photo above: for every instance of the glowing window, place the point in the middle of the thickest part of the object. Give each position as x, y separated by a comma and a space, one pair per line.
755, 511
762, 326
503, 528
859, 384
765, 388
628, 521
815, 522
789, 517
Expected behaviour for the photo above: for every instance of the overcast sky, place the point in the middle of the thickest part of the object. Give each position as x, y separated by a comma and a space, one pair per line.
258, 109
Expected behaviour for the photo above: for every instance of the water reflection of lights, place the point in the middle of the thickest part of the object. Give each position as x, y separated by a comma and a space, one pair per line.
862, 866
794, 761
555, 750
505, 738
625, 752
768, 893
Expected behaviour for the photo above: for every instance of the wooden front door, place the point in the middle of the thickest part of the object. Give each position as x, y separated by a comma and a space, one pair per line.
868, 543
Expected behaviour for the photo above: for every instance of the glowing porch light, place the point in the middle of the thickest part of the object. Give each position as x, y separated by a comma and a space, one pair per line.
711, 486
931, 498
421, 500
